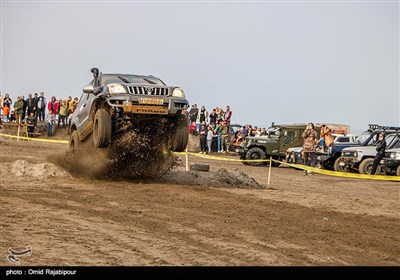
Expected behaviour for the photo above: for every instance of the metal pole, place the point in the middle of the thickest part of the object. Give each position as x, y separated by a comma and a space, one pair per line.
187, 160
269, 171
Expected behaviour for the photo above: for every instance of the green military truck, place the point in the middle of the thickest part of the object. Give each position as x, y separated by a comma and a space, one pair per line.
276, 143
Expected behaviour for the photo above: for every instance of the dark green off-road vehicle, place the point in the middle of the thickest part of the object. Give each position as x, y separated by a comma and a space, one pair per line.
275, 144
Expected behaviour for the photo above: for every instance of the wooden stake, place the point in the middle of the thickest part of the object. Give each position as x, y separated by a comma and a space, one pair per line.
269, 171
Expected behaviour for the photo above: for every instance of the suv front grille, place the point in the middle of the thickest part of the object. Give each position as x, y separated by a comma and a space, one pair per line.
148, 90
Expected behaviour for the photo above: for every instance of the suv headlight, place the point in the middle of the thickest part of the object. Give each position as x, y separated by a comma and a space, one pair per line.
349, 153
178, 92
395, 155
116, 89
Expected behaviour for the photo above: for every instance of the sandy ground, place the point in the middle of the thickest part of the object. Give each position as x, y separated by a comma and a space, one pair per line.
192, 218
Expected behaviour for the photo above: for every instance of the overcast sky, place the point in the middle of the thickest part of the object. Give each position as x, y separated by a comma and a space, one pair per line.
281, 61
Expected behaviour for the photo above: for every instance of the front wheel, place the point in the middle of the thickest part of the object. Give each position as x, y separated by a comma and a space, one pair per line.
256, 154
181, 136
73, 141
102, 129
366, 166
339, 165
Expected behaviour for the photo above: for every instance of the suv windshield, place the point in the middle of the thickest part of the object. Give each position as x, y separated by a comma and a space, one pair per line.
106, 79
363, 137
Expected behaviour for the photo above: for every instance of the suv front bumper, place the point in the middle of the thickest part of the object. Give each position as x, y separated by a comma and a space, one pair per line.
154, 105
349, 162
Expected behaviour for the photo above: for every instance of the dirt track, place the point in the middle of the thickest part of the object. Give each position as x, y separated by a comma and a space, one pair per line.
183, 220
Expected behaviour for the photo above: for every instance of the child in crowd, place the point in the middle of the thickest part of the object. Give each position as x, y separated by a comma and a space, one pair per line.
50, 121
210, 136
31, 122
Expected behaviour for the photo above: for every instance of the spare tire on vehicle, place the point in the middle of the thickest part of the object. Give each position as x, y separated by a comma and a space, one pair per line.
102, 127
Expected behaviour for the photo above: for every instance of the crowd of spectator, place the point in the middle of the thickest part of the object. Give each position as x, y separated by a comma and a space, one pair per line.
215, 129
32, 110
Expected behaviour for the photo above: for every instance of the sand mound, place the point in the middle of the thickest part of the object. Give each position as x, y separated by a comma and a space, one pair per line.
220, 179
23, 168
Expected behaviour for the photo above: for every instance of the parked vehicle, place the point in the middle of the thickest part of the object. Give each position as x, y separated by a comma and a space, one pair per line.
233, 129
362, 157
333, 159
275, 144
391, 162
294, 155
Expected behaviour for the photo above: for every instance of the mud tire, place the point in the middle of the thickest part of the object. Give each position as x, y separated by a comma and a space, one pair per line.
366, 165
73, 141
181, 137
256, 153
337, 167
102, 127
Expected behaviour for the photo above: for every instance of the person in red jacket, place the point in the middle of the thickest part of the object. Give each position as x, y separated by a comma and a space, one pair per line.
53, 105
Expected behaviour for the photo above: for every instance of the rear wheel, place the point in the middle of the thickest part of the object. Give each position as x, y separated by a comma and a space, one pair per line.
181, 136
338, 166
73, 141
256, 154
366, 166
102, 129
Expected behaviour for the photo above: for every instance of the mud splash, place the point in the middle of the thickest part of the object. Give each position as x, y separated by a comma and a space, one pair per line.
136, 154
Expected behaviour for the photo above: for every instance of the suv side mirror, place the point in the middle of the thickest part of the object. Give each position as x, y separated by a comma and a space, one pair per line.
88, 89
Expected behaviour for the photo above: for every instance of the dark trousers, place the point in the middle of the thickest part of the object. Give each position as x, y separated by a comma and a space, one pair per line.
61, 118
203, 143
31, 129
49, 130
376, 162
41, 115
309, 159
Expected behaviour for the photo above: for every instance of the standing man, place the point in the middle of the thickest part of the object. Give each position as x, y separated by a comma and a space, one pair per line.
224, 137
309, 146
19, 110
41, 107
30, 105
23, 108
194, 111
228, 116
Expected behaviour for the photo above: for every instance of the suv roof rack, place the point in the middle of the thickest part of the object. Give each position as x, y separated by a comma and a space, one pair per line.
381, 127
